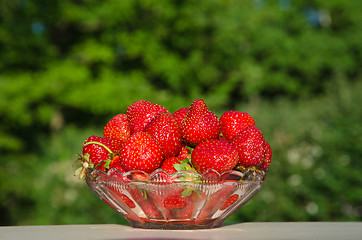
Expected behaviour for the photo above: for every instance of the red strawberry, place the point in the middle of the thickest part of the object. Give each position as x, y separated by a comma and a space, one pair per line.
101, 149
229, 201
197, 196
250, 145
164, 128
180, 115
117, 127
113, 187
127, 200
233, 122
175, 202
141, 152
200, 123
191, 197
174, 164
145, 203
215, 201
168, 164
184, 152
116, 163
150, 209
268, 156
97, 153
159, 197
187, 211
140, 113
223, 139
214, 154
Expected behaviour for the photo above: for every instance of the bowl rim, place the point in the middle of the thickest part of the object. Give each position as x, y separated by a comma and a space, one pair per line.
159, 175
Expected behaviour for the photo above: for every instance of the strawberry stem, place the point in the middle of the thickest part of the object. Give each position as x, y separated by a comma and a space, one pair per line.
100, 144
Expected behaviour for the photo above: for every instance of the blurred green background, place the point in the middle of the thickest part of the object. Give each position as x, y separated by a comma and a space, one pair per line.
68, 66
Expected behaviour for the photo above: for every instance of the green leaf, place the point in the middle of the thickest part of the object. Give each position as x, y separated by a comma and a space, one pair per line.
78, 171
187, 192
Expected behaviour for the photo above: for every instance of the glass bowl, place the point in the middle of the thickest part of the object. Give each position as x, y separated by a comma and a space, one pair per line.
183, 200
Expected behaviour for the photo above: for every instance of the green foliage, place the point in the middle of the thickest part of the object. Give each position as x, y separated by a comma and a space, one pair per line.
315, 171
67, 66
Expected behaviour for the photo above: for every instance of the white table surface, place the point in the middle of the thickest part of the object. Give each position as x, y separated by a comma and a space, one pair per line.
242, 231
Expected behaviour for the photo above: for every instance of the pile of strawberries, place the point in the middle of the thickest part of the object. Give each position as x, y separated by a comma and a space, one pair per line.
148, 137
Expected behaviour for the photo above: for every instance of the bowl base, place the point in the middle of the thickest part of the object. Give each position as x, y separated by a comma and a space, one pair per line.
191, 224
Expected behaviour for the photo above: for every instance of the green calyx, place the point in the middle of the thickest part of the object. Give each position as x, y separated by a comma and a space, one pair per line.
82, 171
184, 165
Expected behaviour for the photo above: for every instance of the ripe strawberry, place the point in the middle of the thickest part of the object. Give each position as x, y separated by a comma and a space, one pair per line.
223, 139
97, 153
174, 164
145, 203
192, 197
200, 123
127, 200
229, 201
116, 191
156, 200
141, 152
174, 202
184, 152
140, 113
164, 128
187, 211
198, 196
116, 163
250, 145
268, 156
233, 122
159, 197
117, 127
215, 201
168, 164
180, 115
214, 154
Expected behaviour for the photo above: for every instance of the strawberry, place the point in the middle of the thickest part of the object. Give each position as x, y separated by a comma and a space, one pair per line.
141, 152
117, 192
140, 113
150, 209
180, 115
127, 200
214, 154
168, 164
159, 197
268, 156
175, 202
199, 124
184, 152
193, 197
229, 201
145, 203
187, 211
97, 153
233, 122
117, 127
215, 201
174, 164
116, 163
198, 196
164, 128
222, 139
250, 145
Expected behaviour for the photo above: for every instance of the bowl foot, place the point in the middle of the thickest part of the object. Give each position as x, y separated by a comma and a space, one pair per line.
176, 224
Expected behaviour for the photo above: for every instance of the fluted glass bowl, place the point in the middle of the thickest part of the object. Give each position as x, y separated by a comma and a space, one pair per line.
183, 200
